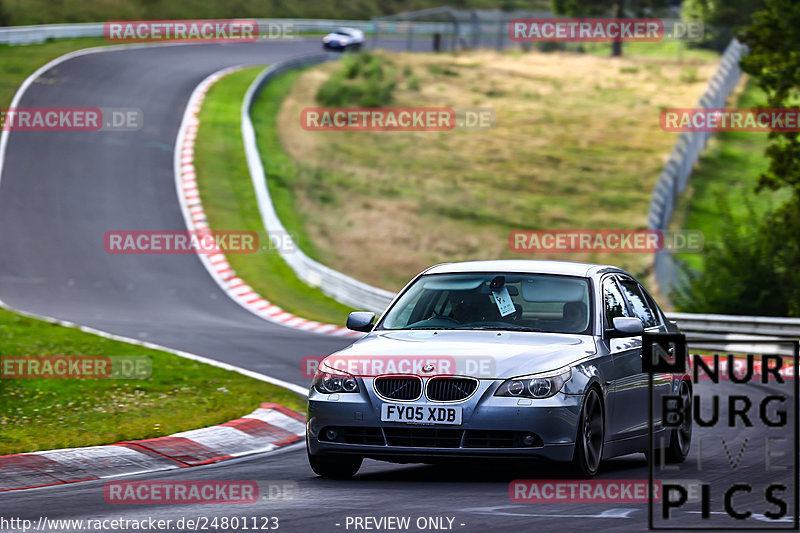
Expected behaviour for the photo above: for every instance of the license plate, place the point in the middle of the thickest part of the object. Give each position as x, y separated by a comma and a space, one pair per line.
420, 414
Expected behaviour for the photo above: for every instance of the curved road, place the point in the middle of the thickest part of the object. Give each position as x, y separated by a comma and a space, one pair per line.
60, 192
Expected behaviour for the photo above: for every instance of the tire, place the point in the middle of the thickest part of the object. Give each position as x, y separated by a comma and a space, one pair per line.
681, 438
334, 466
590, 439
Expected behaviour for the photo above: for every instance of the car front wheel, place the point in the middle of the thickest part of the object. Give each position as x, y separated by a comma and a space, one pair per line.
591, 435
334, 466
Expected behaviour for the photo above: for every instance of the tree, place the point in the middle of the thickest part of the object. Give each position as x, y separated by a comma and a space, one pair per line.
719, 18
744, 272
5, 17
618, 9
774, 64
754, 268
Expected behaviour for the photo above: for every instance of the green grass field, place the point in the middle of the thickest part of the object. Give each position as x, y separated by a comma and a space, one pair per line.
576, 145
726, 178
229, 200
181, 394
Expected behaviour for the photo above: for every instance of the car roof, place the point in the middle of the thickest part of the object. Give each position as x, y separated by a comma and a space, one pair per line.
529, 266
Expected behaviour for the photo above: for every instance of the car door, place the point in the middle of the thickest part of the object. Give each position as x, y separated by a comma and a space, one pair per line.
625, 420
642, 308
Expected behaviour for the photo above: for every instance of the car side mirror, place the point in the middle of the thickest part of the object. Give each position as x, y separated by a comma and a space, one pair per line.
361, 321
625, 327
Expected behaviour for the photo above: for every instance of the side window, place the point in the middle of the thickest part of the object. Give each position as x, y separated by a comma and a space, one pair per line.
640, 306
653, 305
614, 302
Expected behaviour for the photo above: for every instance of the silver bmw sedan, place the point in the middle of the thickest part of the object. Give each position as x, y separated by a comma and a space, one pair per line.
501, 359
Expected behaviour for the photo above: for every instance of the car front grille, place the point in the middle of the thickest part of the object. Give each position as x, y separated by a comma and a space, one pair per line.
413, 437
450, 389
425, 437
405, 388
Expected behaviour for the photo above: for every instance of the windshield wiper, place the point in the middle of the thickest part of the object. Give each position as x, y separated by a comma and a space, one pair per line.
510, 328
425, 327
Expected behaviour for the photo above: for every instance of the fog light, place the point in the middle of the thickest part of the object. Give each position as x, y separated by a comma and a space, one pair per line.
331, 434
528, 439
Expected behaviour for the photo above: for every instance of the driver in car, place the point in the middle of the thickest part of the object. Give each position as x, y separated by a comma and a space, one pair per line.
472, 306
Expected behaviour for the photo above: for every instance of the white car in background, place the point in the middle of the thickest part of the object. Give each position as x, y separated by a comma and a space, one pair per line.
343, 39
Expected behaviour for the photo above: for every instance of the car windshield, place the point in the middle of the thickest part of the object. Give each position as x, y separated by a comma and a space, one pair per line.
494, 301
342, 31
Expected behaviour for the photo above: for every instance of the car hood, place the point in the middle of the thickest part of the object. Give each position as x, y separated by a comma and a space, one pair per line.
484, 354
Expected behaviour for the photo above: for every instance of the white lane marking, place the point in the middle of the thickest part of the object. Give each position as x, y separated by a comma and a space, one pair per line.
303, 391
608, 513
757, 516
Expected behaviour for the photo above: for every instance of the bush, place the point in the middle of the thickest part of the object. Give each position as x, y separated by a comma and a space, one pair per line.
752, 270
361, 81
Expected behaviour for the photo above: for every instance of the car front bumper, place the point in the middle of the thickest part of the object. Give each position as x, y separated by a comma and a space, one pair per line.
491, 427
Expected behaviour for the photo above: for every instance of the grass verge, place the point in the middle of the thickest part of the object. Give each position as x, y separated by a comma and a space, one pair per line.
726, 178
576, 145
230, 202
181, 394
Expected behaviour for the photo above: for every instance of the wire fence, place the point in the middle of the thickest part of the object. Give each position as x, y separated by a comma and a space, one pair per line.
674, 178
338, 286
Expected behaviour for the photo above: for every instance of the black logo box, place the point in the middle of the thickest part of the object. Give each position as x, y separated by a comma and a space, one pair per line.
667, 353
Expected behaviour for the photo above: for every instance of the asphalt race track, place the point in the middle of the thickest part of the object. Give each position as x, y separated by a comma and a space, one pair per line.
61, 191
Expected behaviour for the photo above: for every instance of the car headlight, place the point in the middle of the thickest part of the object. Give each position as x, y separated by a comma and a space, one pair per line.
536, 386
328, 381
326, 39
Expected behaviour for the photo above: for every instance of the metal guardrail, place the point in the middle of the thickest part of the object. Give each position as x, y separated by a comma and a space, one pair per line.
675, 176
41, 33
38, 34
722, 328
785, 328
338, 286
